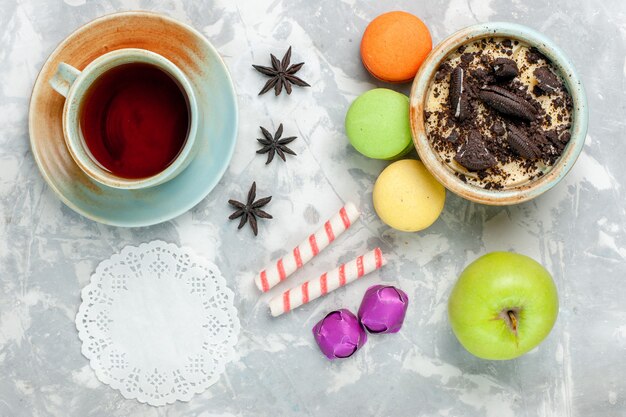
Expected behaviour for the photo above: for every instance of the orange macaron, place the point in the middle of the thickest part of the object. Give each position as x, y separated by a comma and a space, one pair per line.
394, 46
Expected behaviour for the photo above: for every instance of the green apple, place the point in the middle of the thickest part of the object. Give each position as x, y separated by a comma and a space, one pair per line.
503, 305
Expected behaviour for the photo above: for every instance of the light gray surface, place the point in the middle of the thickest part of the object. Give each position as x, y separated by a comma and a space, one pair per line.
578, 230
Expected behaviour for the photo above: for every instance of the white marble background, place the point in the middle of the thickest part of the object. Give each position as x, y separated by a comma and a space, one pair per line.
578, 230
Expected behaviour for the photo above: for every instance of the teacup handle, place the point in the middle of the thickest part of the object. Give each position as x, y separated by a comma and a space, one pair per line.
62, 80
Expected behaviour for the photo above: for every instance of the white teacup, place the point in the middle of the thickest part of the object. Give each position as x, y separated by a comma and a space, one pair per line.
73, 84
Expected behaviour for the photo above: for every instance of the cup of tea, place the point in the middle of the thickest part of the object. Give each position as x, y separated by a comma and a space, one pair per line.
130, 118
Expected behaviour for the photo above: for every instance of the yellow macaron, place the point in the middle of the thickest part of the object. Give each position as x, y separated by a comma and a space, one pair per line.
407, 197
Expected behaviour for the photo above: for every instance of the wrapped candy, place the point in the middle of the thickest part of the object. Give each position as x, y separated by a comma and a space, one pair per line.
383, 309
339, 334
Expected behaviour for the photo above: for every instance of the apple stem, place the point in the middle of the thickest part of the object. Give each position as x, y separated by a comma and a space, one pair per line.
513, 319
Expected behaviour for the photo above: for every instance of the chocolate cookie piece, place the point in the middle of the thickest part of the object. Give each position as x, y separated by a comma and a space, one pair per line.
467, 58
453, 136
553, 137
534, 56
498, 128
458, 95
547, 81
506, 102
473, 154
483, 77
521, 144
505, 69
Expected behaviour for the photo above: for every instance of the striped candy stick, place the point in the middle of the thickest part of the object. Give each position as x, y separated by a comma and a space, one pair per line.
327, 282
279, 270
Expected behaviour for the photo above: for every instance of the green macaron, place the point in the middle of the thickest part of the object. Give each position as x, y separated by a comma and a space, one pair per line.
377, 124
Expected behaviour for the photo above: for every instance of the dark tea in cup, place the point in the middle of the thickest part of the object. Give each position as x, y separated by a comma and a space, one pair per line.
135, 120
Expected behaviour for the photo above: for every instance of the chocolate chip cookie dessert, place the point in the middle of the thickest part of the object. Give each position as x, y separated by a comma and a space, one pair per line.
498, 113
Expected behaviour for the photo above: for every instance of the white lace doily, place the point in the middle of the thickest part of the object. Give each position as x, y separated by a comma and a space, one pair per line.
157, 323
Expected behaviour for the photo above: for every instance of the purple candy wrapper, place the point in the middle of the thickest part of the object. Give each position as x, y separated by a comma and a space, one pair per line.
383, 309
339, 334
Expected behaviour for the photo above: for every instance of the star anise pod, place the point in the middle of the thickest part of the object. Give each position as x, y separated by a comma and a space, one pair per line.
274, 144
281, 74
250, 210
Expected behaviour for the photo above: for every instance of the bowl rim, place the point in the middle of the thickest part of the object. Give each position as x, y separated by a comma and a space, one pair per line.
574, 85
